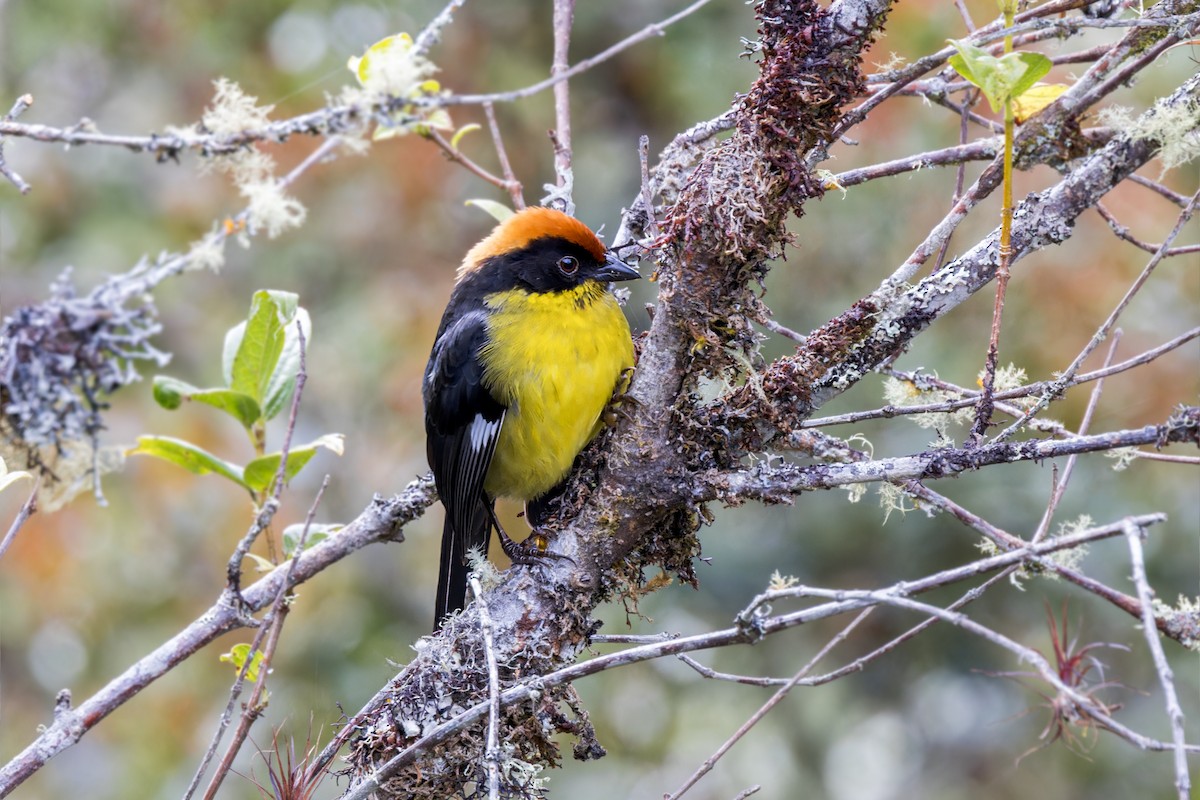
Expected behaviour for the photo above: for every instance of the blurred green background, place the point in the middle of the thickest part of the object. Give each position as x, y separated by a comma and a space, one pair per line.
88, 590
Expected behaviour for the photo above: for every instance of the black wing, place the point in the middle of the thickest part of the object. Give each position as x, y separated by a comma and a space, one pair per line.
462, 426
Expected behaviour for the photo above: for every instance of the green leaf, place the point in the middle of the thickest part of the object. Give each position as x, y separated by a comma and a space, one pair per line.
261, 342
237, 656
1036, 67
187, 455
499, 211
283, 378
316, 533
171, 392
1000, 79
261, 471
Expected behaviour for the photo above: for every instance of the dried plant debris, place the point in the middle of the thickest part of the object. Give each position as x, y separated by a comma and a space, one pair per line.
59, 360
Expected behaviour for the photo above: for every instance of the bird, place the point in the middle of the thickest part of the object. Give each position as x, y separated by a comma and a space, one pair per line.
531, 348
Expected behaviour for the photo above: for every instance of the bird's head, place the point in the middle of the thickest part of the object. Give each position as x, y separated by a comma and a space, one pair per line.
543, 250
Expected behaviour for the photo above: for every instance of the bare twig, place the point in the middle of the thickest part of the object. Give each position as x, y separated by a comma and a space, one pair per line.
654, 29
492, 754
23, 102
459, 157
1165, 457
766, 707
1048, 673
1102, 332
432, 32
860, 663
970, 395
1122, 232
712, 674
1178, 199
564, 19
514, 186
1060, 485
981, 150
647, 194
1183, 781
27, 510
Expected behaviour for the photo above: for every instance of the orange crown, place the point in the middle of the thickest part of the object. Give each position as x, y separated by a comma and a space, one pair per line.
524, 227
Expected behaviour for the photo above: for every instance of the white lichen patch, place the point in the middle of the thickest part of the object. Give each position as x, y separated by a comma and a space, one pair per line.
1175, 127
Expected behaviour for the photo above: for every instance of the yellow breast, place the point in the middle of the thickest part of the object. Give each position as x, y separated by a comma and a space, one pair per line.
554, 360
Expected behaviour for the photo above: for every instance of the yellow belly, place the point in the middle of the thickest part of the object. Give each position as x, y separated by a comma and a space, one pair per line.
553, 360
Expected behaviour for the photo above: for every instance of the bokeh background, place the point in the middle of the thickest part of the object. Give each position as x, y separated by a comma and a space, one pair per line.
86, 591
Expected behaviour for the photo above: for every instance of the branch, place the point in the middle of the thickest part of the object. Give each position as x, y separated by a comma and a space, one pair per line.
778, 482
1183, 782
750, 629
1042, 219
383, 520
23, 102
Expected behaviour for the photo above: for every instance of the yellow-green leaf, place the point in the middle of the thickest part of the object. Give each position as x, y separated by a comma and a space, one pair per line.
194, 459
362, 67
260, 564
237, 656
498, 211
1035, 98
261, 471
9, 478
463, 131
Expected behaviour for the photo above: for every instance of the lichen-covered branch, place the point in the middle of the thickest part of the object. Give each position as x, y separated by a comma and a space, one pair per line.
724, 224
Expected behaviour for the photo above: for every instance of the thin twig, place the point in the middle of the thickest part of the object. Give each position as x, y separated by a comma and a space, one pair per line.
432, 33
1060, 485
1183, 782
27, 510
775, 482
860, 663
492, 754
274, 618
647, 194
960, 174
564, 19
654, 29
1122, 232
1102, 332
746, 680
1096, 711
766, 707
23, 102
1178, 199
514, 185
1166, 457
969, 396
459, 157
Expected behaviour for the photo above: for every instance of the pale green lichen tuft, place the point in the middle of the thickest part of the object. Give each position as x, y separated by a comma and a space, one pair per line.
1174, 127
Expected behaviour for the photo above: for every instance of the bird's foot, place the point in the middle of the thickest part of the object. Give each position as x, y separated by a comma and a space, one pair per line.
530, 551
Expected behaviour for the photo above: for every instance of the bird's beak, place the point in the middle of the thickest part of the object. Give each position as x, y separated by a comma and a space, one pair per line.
614, 269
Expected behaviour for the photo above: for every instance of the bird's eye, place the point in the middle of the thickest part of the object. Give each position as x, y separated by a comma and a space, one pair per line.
568, 265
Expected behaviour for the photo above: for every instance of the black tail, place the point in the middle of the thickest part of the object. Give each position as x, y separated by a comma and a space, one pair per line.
453, 572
